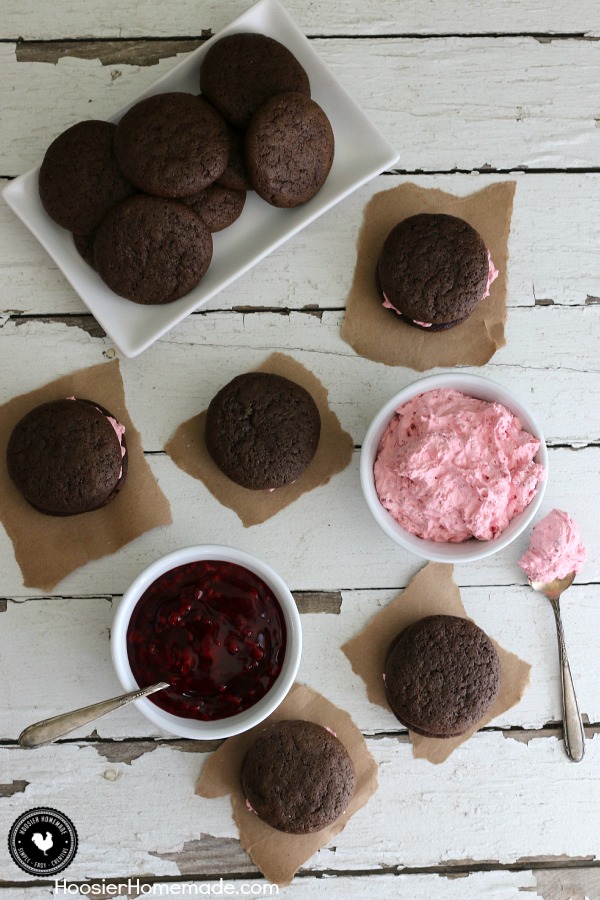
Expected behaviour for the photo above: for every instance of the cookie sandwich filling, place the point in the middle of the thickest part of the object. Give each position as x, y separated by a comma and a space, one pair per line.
450, 467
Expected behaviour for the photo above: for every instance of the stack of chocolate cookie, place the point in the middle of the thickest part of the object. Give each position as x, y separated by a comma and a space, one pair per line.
263, 92
119, 189
142, 198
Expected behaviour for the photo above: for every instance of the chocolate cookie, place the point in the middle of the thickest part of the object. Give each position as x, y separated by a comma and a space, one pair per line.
433, 270
235, 177
289, 149
84, 244
442, 674
172, 145
298, 777
152, 250
243, 70
67, 457
218, 206
80, 180
262, 430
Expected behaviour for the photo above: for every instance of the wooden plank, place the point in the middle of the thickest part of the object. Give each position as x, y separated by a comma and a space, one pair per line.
362, 556
356, 554
69, 640
548, 884
132, 53
554, 246
448, 103
182, 17
539, 364
496, 789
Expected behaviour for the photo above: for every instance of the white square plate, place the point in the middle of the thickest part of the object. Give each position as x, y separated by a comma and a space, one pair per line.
361, 153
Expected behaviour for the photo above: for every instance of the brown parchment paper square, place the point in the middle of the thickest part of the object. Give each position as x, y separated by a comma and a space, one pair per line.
431, 592
47, 548
279, 855
378, 333
187, 449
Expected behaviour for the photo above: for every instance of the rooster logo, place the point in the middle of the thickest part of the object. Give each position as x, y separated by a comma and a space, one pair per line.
42, 843
42, 840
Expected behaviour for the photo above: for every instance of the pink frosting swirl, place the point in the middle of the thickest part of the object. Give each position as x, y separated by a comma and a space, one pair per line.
450, 467
554, 548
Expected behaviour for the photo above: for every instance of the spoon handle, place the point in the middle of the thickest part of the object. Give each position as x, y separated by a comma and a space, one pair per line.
49, 730
572, 724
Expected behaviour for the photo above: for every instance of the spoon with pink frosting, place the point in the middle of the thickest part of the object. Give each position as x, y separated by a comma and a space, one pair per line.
554, 557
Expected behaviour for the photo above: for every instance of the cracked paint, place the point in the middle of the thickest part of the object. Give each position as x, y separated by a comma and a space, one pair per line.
123, 751
318, 601
15, 787
566, 884
86, 323
206, 849
108, 53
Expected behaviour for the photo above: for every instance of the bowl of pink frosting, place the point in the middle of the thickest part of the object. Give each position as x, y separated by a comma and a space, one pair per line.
454, 467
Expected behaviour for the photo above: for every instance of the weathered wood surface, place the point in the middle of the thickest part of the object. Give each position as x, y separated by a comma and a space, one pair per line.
355, 554
448, 103
495, 90
36, 20
546, 883
59, 632
177, 377
197, 357
489, 803
554, 248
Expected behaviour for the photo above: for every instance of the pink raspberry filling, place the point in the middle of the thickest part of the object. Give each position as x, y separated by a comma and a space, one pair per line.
555, 549
450, 467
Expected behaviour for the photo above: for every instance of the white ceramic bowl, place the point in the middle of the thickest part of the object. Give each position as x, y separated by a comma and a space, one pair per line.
467, 551
220, 728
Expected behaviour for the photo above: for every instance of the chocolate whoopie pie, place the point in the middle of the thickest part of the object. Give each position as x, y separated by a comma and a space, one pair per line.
243, 70
172, 145
433, 270
298, 777
262, 430
66, 457
219, 206
152, 250
289, 149
442, 674
80, 179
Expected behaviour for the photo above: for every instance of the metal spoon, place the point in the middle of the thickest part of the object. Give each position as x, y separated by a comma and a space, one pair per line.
572, 724
49, 730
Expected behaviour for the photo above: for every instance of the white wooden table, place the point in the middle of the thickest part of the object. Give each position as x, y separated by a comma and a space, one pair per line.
470, 93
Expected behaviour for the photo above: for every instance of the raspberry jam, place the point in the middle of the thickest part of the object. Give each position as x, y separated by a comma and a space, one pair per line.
215, 631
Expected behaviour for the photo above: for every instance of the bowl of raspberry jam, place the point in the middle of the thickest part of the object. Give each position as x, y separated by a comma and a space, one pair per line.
221, 627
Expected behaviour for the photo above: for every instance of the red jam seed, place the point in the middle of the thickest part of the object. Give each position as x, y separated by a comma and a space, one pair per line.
215, 631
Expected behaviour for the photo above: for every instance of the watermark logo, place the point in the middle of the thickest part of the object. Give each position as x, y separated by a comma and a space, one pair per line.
139, 888
42, 841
